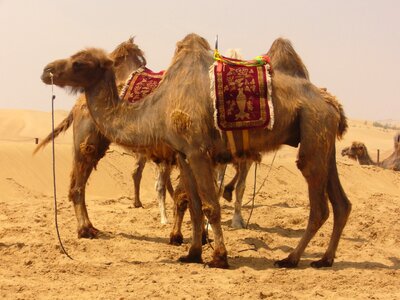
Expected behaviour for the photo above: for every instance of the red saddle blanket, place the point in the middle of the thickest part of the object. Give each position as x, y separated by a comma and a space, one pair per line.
242, 95
140, 84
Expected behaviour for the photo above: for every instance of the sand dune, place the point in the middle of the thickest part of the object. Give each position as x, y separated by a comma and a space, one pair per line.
132, 258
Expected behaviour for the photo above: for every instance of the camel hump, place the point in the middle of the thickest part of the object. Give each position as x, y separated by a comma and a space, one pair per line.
286, 60
332, 100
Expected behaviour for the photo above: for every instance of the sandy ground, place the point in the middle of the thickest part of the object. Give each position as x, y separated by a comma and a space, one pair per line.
132, 259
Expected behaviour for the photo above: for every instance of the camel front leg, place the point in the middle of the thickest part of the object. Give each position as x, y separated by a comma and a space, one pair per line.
137, 177
89, 147
81, 171
202, 168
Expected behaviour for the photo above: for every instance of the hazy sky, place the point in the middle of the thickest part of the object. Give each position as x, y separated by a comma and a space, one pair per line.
350, 46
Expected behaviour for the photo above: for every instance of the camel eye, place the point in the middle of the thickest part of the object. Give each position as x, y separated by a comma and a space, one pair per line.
78, 65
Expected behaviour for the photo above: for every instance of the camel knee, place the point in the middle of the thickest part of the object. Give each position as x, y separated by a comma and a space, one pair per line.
213, 213
75, 195
318, 217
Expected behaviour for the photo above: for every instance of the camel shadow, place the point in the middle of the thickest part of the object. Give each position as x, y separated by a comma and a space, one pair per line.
282, 231
245, 206
108, 236
17, 245
260, 264
341, 265
158, 240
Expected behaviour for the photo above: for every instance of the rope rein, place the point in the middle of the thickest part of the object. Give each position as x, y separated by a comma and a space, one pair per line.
254, 195
54, 168
254, 187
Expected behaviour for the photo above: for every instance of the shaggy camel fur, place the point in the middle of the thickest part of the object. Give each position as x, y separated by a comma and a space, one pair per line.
127, 57
90, 145
358, 151
182, 117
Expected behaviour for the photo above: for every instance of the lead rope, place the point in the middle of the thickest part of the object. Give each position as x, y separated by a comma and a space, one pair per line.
254, 195
254, 188
54, 167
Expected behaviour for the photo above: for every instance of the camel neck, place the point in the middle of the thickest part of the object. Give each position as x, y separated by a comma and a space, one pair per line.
366, 160
119, 121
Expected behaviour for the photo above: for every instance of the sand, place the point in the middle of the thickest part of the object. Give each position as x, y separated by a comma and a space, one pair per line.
131, 259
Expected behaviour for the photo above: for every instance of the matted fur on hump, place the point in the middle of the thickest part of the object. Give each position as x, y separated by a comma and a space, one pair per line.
286, 60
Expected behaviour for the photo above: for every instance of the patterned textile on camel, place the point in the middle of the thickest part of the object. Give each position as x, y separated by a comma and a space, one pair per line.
242, 93
140, 84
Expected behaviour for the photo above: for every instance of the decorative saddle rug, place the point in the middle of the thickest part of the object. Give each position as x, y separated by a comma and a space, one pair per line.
140, 84
242, 93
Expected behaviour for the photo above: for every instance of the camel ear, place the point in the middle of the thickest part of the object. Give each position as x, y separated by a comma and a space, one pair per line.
106, 64
131, 39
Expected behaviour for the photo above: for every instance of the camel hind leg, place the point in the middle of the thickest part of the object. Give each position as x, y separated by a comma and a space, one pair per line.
242, 171
137, 177
313, 163
341, 211
163, 177
228, 189
180, 206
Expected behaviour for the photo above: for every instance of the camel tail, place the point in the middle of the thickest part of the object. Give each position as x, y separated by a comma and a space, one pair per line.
342, 123
332, 100
62, 127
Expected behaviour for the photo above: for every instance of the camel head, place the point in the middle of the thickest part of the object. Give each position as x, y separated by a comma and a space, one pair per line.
127, 57
355, 151
86, 67
82, 70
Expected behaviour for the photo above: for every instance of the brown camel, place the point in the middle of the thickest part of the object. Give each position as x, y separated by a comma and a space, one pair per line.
90, 145
182, 116
358, 151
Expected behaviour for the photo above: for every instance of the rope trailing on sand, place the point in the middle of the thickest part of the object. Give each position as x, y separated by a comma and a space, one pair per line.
54, 168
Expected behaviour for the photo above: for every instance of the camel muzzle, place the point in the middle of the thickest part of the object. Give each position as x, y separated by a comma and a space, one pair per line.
47, 75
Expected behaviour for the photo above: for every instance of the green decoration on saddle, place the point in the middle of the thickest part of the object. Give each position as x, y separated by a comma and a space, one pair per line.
257, 61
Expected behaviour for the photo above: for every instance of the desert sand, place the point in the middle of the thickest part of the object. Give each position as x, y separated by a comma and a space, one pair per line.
132, 259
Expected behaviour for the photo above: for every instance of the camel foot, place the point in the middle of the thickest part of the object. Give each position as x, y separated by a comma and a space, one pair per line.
228, 193
237, 222
194, 256
176, 239
286, 263
220, 260
137, 204
88, 232
322, 263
